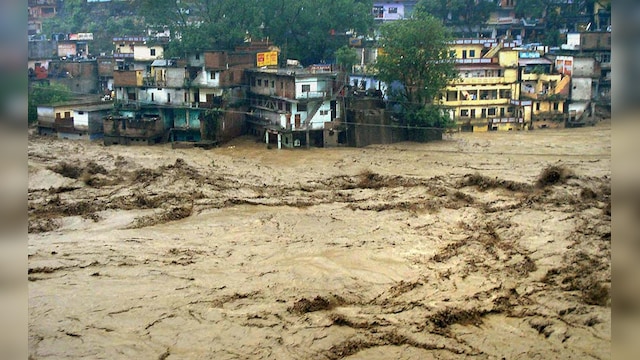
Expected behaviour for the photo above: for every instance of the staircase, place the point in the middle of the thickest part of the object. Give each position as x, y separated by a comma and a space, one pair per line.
311, 114
493, 51
563, 86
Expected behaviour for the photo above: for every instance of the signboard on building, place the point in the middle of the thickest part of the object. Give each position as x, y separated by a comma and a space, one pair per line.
81, 36
66, 49
267, 58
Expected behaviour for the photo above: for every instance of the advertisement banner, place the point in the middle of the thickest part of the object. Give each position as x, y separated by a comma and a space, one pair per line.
267, 58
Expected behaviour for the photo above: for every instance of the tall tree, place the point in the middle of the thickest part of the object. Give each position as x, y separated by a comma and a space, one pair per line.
204, 24
416, 54
466, 16
312, 30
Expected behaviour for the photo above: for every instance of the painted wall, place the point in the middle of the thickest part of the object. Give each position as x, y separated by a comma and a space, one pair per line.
207, 78
317, 88
143, 52
80, 118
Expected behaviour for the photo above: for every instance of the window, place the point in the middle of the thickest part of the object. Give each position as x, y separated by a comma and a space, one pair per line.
464, 113
306, 88
273, 84
197, 56
153, 52
324, 112
168, 97
464, 54
537, 106
378, 12
302, 107
288, 107
80, 112
501, 112
152, 97
393, 10
67, 114
472, 53
491, 111
555, 106
281, 85
212, 75
259, 82
473, 113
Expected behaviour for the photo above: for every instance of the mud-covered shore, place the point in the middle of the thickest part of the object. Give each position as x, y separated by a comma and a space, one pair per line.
483, 246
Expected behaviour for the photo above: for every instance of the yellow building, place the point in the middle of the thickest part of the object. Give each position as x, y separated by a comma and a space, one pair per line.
547, 91
489, 95
481, 99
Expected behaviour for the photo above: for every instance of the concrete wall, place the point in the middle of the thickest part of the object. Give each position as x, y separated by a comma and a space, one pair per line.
370, 124
581, 89
42, 49
584, 67
175, 77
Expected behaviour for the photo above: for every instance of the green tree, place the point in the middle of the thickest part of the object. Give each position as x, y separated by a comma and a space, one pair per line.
415, 54
346, 57
204, 24
466, 16
312, 30
41, 94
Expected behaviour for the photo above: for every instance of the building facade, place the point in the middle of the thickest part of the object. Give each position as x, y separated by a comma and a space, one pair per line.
294, 107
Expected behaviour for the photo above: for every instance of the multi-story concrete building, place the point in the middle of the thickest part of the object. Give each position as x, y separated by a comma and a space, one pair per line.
503, 87
546, 88
482, 98
596, 45
179, 92
295, 107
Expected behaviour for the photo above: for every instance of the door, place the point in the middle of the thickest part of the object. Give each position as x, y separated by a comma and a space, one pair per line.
297, 121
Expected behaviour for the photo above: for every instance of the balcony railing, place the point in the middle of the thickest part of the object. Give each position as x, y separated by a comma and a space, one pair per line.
543, 96
313, 94
481, 80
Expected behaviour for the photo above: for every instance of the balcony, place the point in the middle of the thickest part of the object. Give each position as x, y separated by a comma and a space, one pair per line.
123, 55
484, 102
313, 95
541, 77
481, 80
542, 95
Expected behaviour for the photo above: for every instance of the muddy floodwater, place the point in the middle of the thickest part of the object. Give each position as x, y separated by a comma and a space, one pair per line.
483, 245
